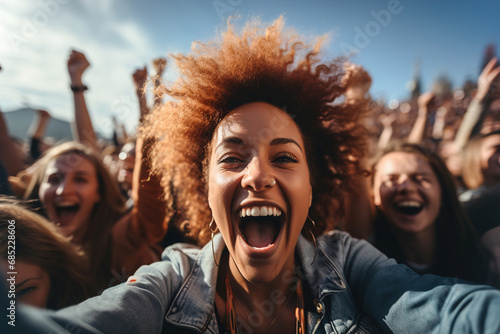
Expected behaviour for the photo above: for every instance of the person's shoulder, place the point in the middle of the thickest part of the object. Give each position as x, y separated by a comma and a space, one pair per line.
180, 250
335, 236
335, 242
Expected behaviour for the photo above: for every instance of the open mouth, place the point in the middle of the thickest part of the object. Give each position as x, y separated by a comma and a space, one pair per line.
410, 208
260, 226
66, 212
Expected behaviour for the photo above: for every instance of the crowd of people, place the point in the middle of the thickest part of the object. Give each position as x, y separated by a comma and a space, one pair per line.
287, 199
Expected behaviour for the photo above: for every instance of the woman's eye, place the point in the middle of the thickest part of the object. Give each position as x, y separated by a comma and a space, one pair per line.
391, 180
25, 291
229, 160
284, 158
81, 180
54, 179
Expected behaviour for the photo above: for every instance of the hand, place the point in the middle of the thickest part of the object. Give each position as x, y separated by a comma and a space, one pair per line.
77, 64
159, 64
140, 76
425, 100
486, 78
44, 114
387, 119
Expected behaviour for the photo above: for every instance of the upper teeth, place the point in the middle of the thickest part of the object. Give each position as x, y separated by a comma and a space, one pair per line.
410, 203
257, 211
65, 204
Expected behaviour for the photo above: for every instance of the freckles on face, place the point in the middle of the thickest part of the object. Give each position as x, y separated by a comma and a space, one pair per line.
407, 191
258, 188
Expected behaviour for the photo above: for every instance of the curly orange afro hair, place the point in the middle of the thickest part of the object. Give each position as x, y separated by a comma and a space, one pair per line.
268, 64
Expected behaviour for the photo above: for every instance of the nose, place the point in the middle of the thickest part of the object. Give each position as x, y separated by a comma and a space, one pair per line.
405, 184
258, 176
65, 186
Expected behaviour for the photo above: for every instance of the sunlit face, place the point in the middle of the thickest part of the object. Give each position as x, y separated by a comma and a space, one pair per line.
407, 191
490, 158
32, 284
259, 189
69, 192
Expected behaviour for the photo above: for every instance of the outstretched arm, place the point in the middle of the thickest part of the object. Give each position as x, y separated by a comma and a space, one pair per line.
84, 132
401, 301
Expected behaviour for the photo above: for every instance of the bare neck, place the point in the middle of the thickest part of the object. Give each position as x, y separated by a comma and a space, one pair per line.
419, 248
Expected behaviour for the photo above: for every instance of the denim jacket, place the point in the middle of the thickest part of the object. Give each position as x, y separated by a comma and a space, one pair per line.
352, 287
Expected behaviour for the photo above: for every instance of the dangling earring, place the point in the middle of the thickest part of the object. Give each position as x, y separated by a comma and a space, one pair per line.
310, 228
213, 229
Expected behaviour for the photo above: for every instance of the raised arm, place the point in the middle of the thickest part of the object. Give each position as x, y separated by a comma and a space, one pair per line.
84, 131
145, 226
159, 64
10, 155
386, 135
475, 112
140, 76
37, 132
424, 104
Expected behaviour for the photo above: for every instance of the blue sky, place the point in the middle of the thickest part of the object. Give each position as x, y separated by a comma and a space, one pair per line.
447, 37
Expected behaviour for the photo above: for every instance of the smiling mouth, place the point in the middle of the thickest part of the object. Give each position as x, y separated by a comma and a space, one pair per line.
410, 208
66, 212
260, 226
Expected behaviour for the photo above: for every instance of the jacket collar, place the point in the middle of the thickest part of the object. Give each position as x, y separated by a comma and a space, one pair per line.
197, 293
320, 273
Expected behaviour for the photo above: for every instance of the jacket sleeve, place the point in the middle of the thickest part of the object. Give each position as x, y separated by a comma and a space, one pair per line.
138, 306
401, 301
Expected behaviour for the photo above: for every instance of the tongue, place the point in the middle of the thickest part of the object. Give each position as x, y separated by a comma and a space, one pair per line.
66, 216
260, 234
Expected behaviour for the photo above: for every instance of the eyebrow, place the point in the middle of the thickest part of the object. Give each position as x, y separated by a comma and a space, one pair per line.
274, 142
281, 141
26, 280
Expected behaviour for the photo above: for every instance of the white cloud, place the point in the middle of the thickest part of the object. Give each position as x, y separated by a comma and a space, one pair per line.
38, 73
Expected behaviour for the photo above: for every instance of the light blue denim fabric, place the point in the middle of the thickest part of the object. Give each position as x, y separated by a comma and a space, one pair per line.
353, 287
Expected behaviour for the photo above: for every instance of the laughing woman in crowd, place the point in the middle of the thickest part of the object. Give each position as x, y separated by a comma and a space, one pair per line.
259, 159
419, 220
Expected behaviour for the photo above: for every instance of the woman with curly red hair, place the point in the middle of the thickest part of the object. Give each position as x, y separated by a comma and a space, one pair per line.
256, 146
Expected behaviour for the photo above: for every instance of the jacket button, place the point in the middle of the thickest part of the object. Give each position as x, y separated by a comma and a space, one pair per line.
319, 308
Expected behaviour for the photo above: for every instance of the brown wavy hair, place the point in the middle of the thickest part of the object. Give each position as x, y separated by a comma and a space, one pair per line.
41, 243
96, 240
266, 64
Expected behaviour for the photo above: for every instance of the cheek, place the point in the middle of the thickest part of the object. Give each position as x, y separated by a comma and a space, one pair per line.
220, 193
379, 191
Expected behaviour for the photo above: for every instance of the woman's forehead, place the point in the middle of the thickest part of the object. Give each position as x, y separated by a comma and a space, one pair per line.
257, 121
401, 162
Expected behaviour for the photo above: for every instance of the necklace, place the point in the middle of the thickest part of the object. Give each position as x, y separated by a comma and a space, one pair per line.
299, 309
